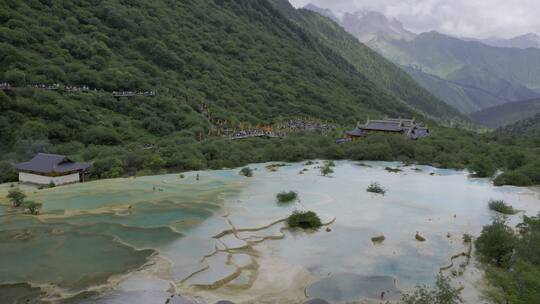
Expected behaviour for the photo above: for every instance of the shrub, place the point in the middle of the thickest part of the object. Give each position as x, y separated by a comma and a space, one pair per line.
286, 197
330, 163
274, 167
326, 170
100, 135
32, 207
501, 207
16, 196
513, 178
304, 220
376, 188
7, 172
378, 239
393, 170
247, 172
483, 167
467, 238
496, 243
518, 282
15, 77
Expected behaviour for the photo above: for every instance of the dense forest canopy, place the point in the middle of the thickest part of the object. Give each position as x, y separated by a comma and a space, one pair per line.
529, 127
244, 58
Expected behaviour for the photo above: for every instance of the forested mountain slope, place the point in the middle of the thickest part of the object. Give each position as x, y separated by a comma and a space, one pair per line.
465, 98
506, 114
375, 67
245, 59
529, 127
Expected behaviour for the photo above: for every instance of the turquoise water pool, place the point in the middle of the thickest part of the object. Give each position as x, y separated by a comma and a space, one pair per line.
190, 237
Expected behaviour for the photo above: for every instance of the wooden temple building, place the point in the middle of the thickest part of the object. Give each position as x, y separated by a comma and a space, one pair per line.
406, 127
52, 169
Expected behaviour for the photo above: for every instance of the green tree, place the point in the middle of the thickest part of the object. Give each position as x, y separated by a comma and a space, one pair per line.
483, 167
154, 162
15, 77
7, 172
519, 281
32, 207
496, 243
304, 220
326, 170
100, 135
247, 172
286, 197
16, 196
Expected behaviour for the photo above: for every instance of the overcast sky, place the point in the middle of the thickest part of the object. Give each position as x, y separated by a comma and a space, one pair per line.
466, 18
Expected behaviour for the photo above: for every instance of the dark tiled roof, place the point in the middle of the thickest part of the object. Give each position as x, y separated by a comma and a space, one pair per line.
407, 127
404, 121
383, 125
52, 163
356, 132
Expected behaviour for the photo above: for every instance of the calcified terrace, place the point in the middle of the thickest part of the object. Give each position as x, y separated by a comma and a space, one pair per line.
224, 236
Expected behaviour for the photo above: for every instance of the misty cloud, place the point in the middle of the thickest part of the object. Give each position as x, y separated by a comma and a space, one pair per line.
467, 18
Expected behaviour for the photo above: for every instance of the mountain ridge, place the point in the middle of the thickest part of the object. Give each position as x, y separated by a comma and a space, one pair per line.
467, 74
525, 41
509, 74
322, 11
374, 66
529, 128
506, 114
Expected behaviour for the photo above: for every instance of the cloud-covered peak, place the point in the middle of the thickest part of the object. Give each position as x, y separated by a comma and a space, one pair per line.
322, 11
461, 18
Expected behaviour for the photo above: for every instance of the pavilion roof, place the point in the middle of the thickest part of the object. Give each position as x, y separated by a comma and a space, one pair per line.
52, 163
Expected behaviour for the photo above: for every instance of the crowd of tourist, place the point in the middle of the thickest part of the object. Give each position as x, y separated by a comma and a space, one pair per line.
282, 129
43, 86
306, 125
133, 93
4, 86
256, 133
83, 88
79, 88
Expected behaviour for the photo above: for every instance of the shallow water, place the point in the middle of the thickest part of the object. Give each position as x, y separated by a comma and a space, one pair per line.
349, 287
116, 226
88, 233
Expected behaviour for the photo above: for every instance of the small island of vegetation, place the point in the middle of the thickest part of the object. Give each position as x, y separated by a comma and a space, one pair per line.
304, 220
247, 172
502, 207
376, 188
287, 197
393, 170
326, 170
